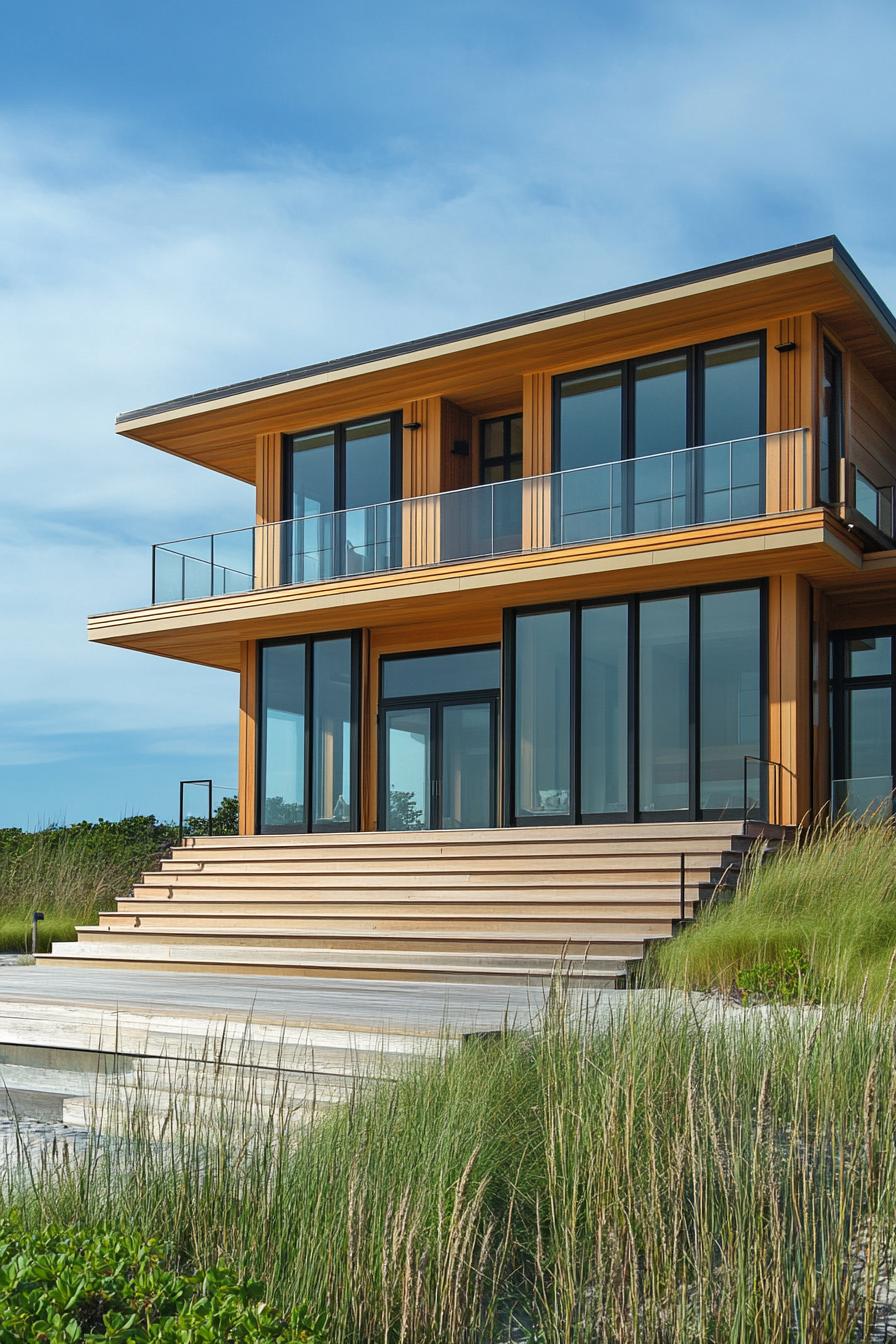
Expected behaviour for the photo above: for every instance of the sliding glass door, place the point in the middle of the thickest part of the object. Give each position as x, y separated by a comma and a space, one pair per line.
642, 709
863, 722
308, 707
438, 740
338, 484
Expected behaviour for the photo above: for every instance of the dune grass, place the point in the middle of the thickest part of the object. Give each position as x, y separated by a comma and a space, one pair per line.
831, 898
651, 1177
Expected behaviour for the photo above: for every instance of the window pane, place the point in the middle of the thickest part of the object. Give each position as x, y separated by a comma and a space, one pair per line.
730, 704
492, 439
408, 751
869, 760
831, 427
590, 419
731, 408
869, 656
516, 436
283, 735
313, 473
661, 405
604, 680
664, 706
542, 686
438, 673
332, 732
466, 766
368, 463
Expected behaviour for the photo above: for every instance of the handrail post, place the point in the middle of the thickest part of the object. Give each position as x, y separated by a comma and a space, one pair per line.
492, 491
730, 480
180, 826
681, 886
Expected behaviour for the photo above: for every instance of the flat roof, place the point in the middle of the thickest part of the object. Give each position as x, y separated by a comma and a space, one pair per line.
520, 320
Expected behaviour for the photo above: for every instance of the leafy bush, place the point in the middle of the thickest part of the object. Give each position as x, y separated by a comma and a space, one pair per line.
59, 1286
789, 979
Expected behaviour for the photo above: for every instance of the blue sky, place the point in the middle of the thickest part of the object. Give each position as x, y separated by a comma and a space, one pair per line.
194, 193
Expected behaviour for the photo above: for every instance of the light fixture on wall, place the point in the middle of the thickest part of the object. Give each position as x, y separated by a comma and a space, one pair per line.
461, 448
413, 424
785, 347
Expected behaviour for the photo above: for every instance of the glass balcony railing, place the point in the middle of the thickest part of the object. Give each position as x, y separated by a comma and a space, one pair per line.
875, 502
869, 798
714, 483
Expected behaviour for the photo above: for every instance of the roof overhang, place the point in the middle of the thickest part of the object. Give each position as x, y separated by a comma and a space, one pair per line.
481, 366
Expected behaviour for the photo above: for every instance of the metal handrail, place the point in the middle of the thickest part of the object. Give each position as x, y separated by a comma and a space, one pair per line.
780, 768
211, 787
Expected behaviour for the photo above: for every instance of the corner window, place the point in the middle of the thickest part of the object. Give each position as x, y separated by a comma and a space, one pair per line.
830, 426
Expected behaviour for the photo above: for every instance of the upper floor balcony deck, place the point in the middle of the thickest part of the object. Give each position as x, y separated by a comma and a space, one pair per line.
729, 482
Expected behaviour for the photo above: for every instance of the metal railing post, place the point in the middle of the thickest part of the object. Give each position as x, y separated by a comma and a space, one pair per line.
211, 551
681, 887
154, 575
730, 480
492, 492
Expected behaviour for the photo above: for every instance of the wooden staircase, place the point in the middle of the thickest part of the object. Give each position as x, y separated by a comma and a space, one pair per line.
468, 906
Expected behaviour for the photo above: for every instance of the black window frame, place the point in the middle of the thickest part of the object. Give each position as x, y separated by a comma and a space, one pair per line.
434, 702
309, 827
507, 457
841, 683
633, 601
695, 356
339, 430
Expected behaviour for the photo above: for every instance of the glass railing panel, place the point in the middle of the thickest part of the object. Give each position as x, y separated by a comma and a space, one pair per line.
874, 502
867, 798
712, 483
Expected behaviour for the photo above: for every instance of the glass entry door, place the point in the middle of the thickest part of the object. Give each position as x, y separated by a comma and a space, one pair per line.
438, 741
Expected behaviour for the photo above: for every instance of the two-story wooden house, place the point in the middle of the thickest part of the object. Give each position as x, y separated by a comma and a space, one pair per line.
536, 618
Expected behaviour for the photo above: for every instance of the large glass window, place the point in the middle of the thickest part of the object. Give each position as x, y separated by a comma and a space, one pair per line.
664, 711
643, 416
604, 675
451, 671
666, 702
730, 699
831, 425
313, 682
339, 483
332, 731
863, 722
282, 736
731, 466
542, 692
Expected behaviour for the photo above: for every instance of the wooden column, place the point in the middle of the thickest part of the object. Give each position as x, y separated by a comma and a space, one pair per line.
268, 508
537, 447
421, 465
789, 697
790, 405
247, 785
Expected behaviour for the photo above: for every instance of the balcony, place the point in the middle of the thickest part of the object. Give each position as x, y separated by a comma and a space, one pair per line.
712, 484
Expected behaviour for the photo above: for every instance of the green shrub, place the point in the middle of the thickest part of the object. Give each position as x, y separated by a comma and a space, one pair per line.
59, 1286
789, 979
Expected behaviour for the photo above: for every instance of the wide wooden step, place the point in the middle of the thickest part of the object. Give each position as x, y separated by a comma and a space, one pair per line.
403, 905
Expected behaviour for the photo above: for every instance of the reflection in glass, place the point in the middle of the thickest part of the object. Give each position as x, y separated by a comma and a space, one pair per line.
440, 673
313, 492
542, 702
466, 786
732, 411
590, 419
869, 656
408, 750
283, 735
664, 706
604, 690
661, 426
730, 705
831, 425
332, 732
368, 482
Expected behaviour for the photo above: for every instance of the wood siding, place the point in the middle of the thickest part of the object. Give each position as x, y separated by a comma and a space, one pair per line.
870, 425
789, 680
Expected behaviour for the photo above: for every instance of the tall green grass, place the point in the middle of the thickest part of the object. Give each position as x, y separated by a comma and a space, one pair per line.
71, 872
647, 1177
832, 897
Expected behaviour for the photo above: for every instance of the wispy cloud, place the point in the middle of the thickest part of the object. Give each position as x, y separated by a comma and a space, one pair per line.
684, 135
